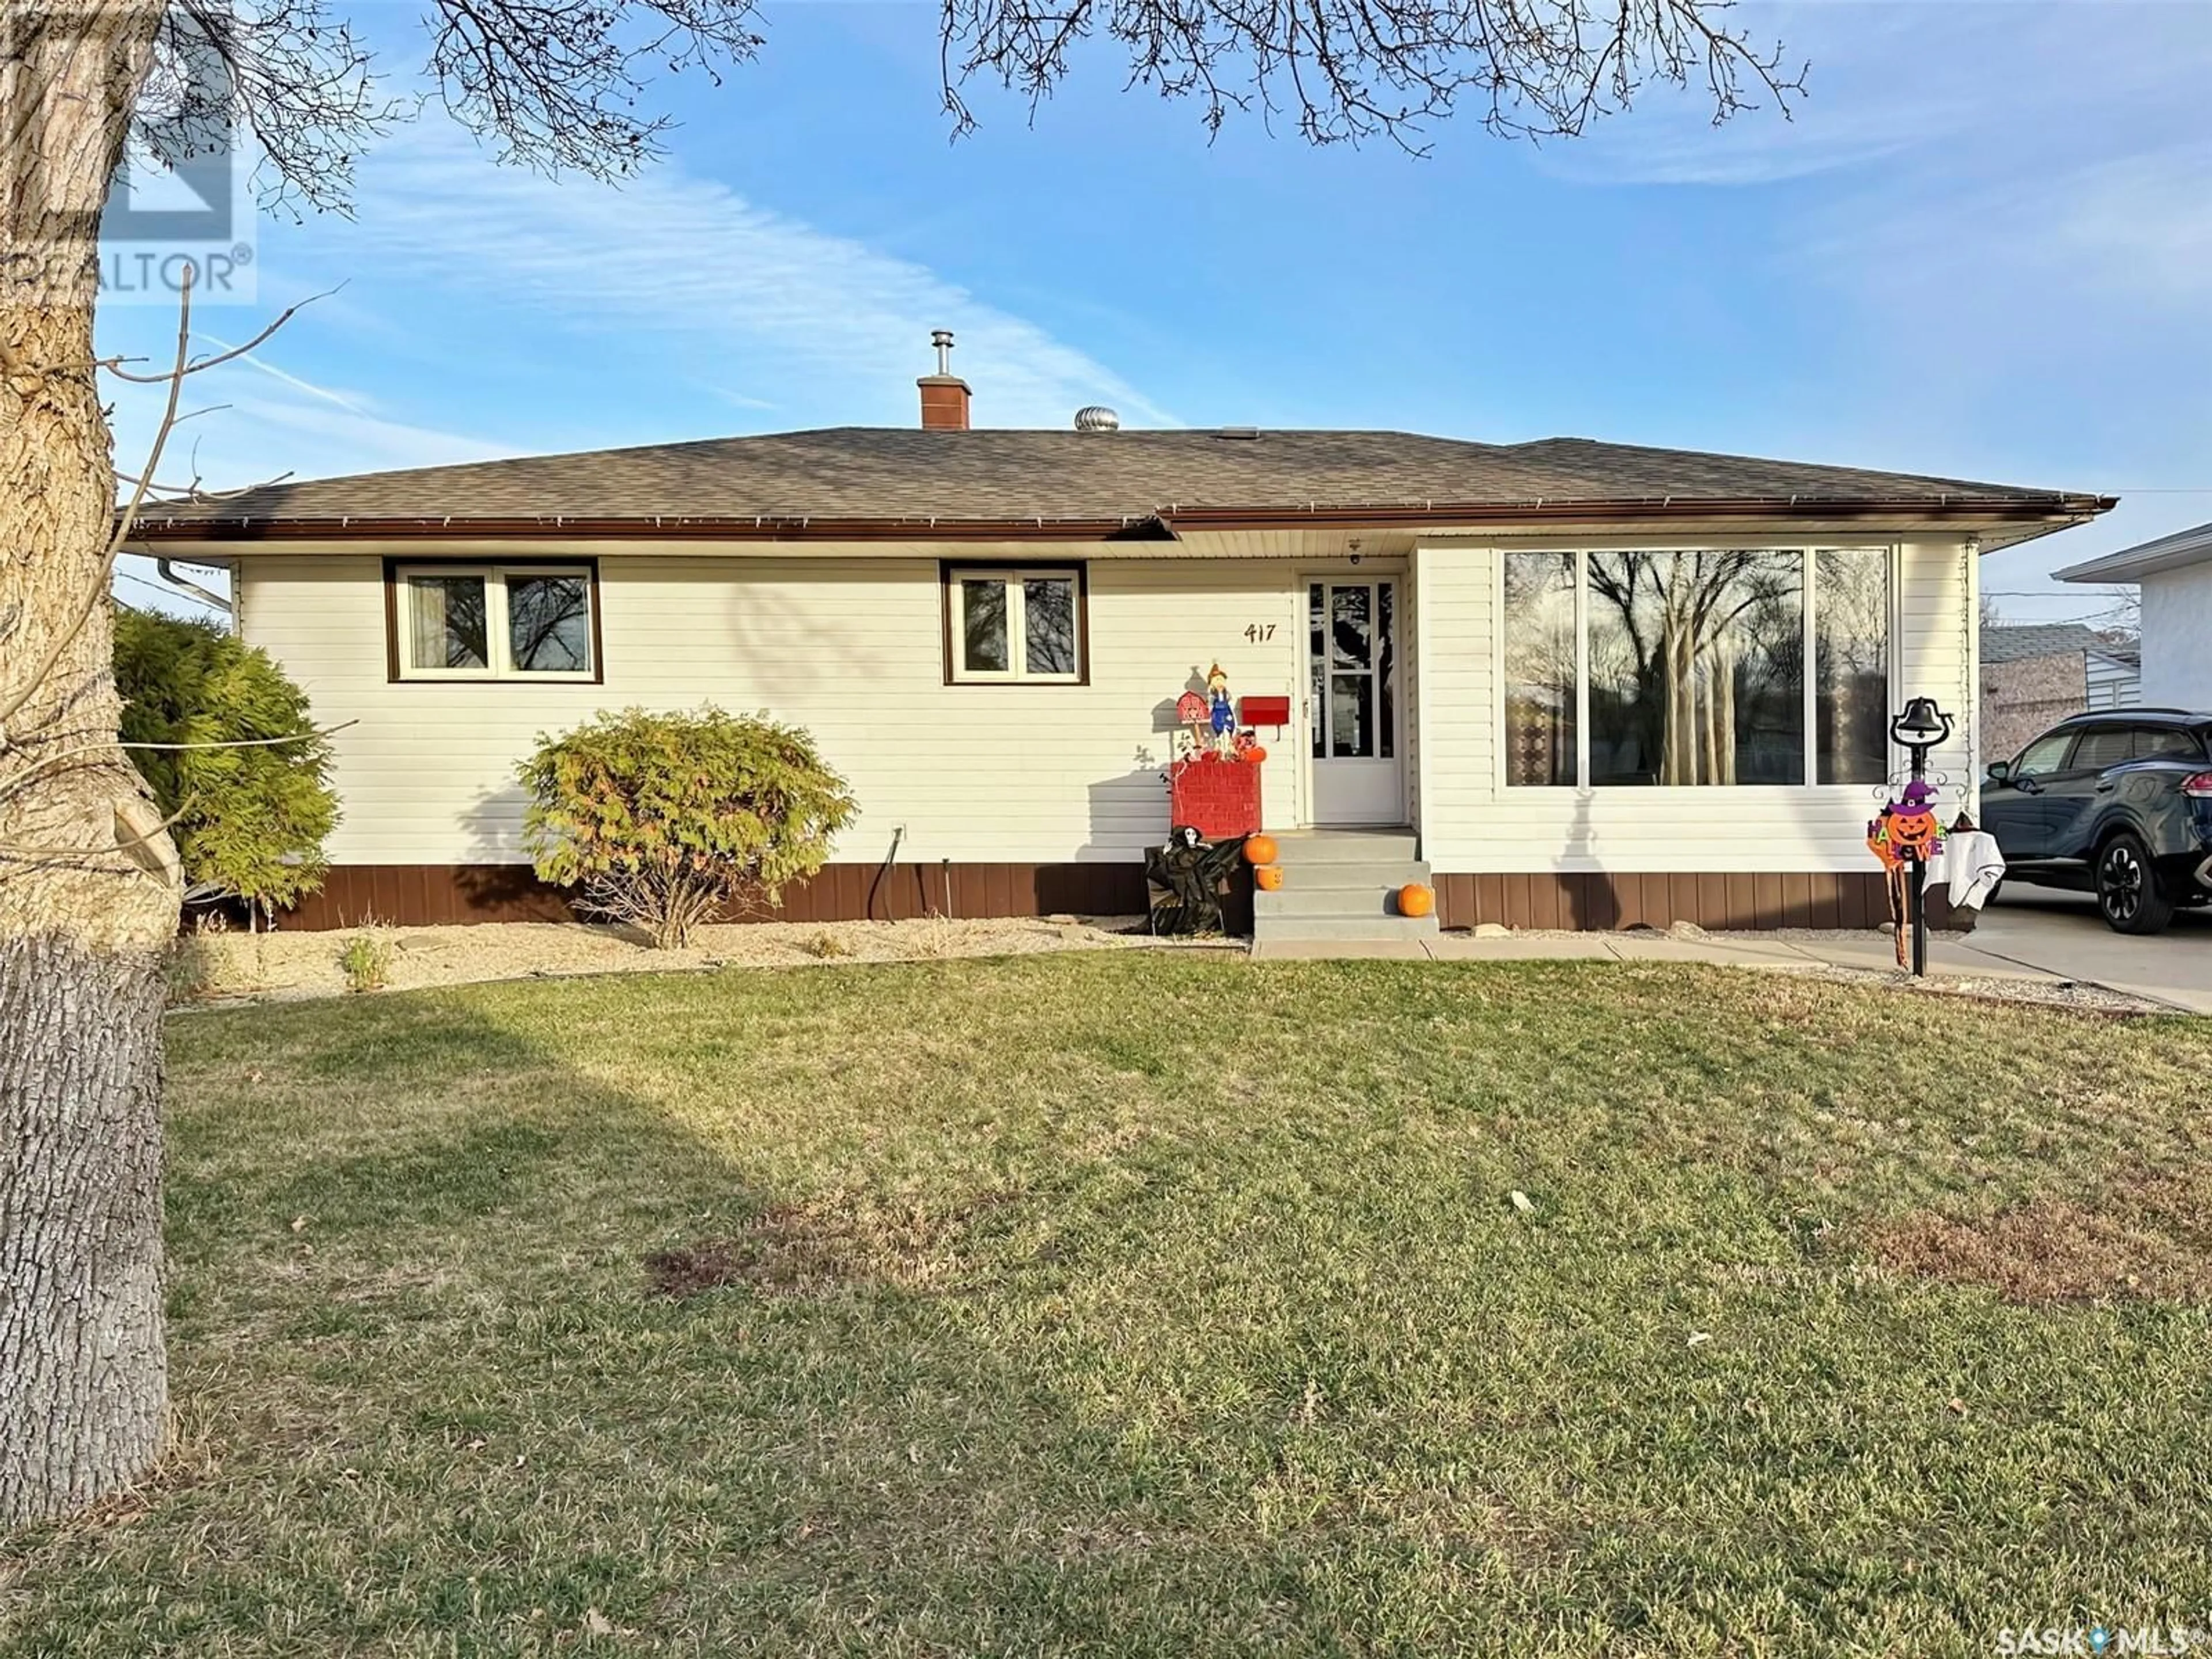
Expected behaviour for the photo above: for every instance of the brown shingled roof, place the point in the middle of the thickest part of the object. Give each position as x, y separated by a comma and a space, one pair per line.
895, 475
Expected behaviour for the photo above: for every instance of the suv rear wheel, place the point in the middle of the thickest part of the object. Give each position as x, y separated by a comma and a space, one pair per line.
2128, 889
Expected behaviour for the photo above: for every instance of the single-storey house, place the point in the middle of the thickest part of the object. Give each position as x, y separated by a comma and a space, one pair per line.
1573, 684
2035, 674
2175, 574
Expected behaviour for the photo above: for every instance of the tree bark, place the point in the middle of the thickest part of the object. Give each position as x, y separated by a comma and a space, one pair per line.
88, 881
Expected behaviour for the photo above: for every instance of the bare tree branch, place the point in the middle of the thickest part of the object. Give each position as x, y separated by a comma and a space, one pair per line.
1349, 71
199, 365
54, 763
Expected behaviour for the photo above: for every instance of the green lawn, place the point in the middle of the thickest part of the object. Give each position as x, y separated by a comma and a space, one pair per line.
1153, 1304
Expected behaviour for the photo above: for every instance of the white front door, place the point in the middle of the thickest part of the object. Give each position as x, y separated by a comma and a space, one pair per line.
1354, 735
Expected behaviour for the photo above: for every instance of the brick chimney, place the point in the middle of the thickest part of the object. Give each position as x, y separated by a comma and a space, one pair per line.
944, 394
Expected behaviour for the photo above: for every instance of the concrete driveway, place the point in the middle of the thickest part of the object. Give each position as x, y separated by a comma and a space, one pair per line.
2061, 933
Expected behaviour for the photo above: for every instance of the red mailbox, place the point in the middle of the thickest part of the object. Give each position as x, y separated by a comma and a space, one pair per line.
1263, 711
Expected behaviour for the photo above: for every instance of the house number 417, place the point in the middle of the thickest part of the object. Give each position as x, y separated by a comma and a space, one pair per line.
1259, 633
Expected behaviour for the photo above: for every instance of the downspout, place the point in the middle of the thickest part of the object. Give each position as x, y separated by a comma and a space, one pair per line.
206, 596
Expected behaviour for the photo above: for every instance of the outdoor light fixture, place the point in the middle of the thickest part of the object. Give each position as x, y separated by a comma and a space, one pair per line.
1922, 725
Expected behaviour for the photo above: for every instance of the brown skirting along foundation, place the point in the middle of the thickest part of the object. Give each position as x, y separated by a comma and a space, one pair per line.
428, 894
1605, 903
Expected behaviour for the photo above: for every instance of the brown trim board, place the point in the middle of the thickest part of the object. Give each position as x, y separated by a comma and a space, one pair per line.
432, 894
435, 895
1163, 525
1737, 900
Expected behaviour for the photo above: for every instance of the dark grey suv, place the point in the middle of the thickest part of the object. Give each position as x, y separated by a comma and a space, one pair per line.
2117, 803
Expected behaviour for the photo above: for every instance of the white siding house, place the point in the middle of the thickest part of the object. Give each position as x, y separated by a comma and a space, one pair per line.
820, 578
2175, 574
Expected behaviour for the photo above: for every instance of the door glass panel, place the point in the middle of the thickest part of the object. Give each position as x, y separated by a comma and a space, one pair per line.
1317, 653
1352, 731
2043, 757
1350, 626
2108, 745
1386, 659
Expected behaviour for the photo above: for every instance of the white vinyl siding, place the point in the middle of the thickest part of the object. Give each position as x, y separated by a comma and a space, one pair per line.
852, 650
1473, 823
2177, 638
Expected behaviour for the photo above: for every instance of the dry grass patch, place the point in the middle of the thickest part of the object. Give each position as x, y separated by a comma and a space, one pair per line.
2149, 1243
819, 1247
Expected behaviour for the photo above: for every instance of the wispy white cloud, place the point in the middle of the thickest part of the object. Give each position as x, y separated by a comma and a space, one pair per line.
239, 434
688, 273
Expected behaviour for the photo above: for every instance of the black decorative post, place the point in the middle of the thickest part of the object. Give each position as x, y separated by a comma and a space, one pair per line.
1919, 727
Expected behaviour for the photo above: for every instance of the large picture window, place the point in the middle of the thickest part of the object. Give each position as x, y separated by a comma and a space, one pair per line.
1014, 625
1672, 667
494, 622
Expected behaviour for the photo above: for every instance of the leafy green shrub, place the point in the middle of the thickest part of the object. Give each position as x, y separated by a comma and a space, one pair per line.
367, 958
255, 817
665, 820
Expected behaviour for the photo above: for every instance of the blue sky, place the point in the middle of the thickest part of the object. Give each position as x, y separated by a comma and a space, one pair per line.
1983, 248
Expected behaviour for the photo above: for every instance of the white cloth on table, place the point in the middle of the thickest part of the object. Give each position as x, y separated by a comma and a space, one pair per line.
1969, 864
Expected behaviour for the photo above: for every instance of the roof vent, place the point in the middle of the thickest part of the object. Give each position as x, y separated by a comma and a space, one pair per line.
1096, 417
1242, 433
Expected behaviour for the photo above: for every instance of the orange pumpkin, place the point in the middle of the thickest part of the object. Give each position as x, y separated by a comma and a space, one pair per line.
1415, 900
1254, 755
1267, 878
1260, 849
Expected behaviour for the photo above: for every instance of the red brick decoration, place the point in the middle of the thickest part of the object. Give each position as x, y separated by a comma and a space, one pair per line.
1219, 798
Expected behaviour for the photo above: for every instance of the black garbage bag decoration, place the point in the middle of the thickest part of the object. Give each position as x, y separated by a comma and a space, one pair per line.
1184, 879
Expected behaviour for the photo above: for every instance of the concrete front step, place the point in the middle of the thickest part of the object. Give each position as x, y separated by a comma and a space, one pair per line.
1341, 930
1364, 898
1304, 846
1340, 886
1333, 875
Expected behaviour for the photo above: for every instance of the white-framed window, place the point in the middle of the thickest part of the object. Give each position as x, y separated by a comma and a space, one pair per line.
1017, 626
495, 622
1690, 666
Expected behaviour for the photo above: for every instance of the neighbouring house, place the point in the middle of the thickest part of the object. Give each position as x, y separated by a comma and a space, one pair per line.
2034, 675
1577, 683
2174, 573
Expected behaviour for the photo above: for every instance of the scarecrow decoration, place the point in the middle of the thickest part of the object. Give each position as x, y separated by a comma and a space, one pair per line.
1906, 835
1220, 715
1213, 797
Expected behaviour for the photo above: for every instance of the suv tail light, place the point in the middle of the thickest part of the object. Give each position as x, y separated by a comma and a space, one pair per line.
2198, 784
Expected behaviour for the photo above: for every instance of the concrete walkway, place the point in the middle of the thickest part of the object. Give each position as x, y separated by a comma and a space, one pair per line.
2014, 941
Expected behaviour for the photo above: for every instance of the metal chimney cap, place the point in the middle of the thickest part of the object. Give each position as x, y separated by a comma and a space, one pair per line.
942, 339
1096, 417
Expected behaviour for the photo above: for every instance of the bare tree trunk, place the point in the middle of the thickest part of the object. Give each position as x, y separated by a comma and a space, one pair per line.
88, 881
